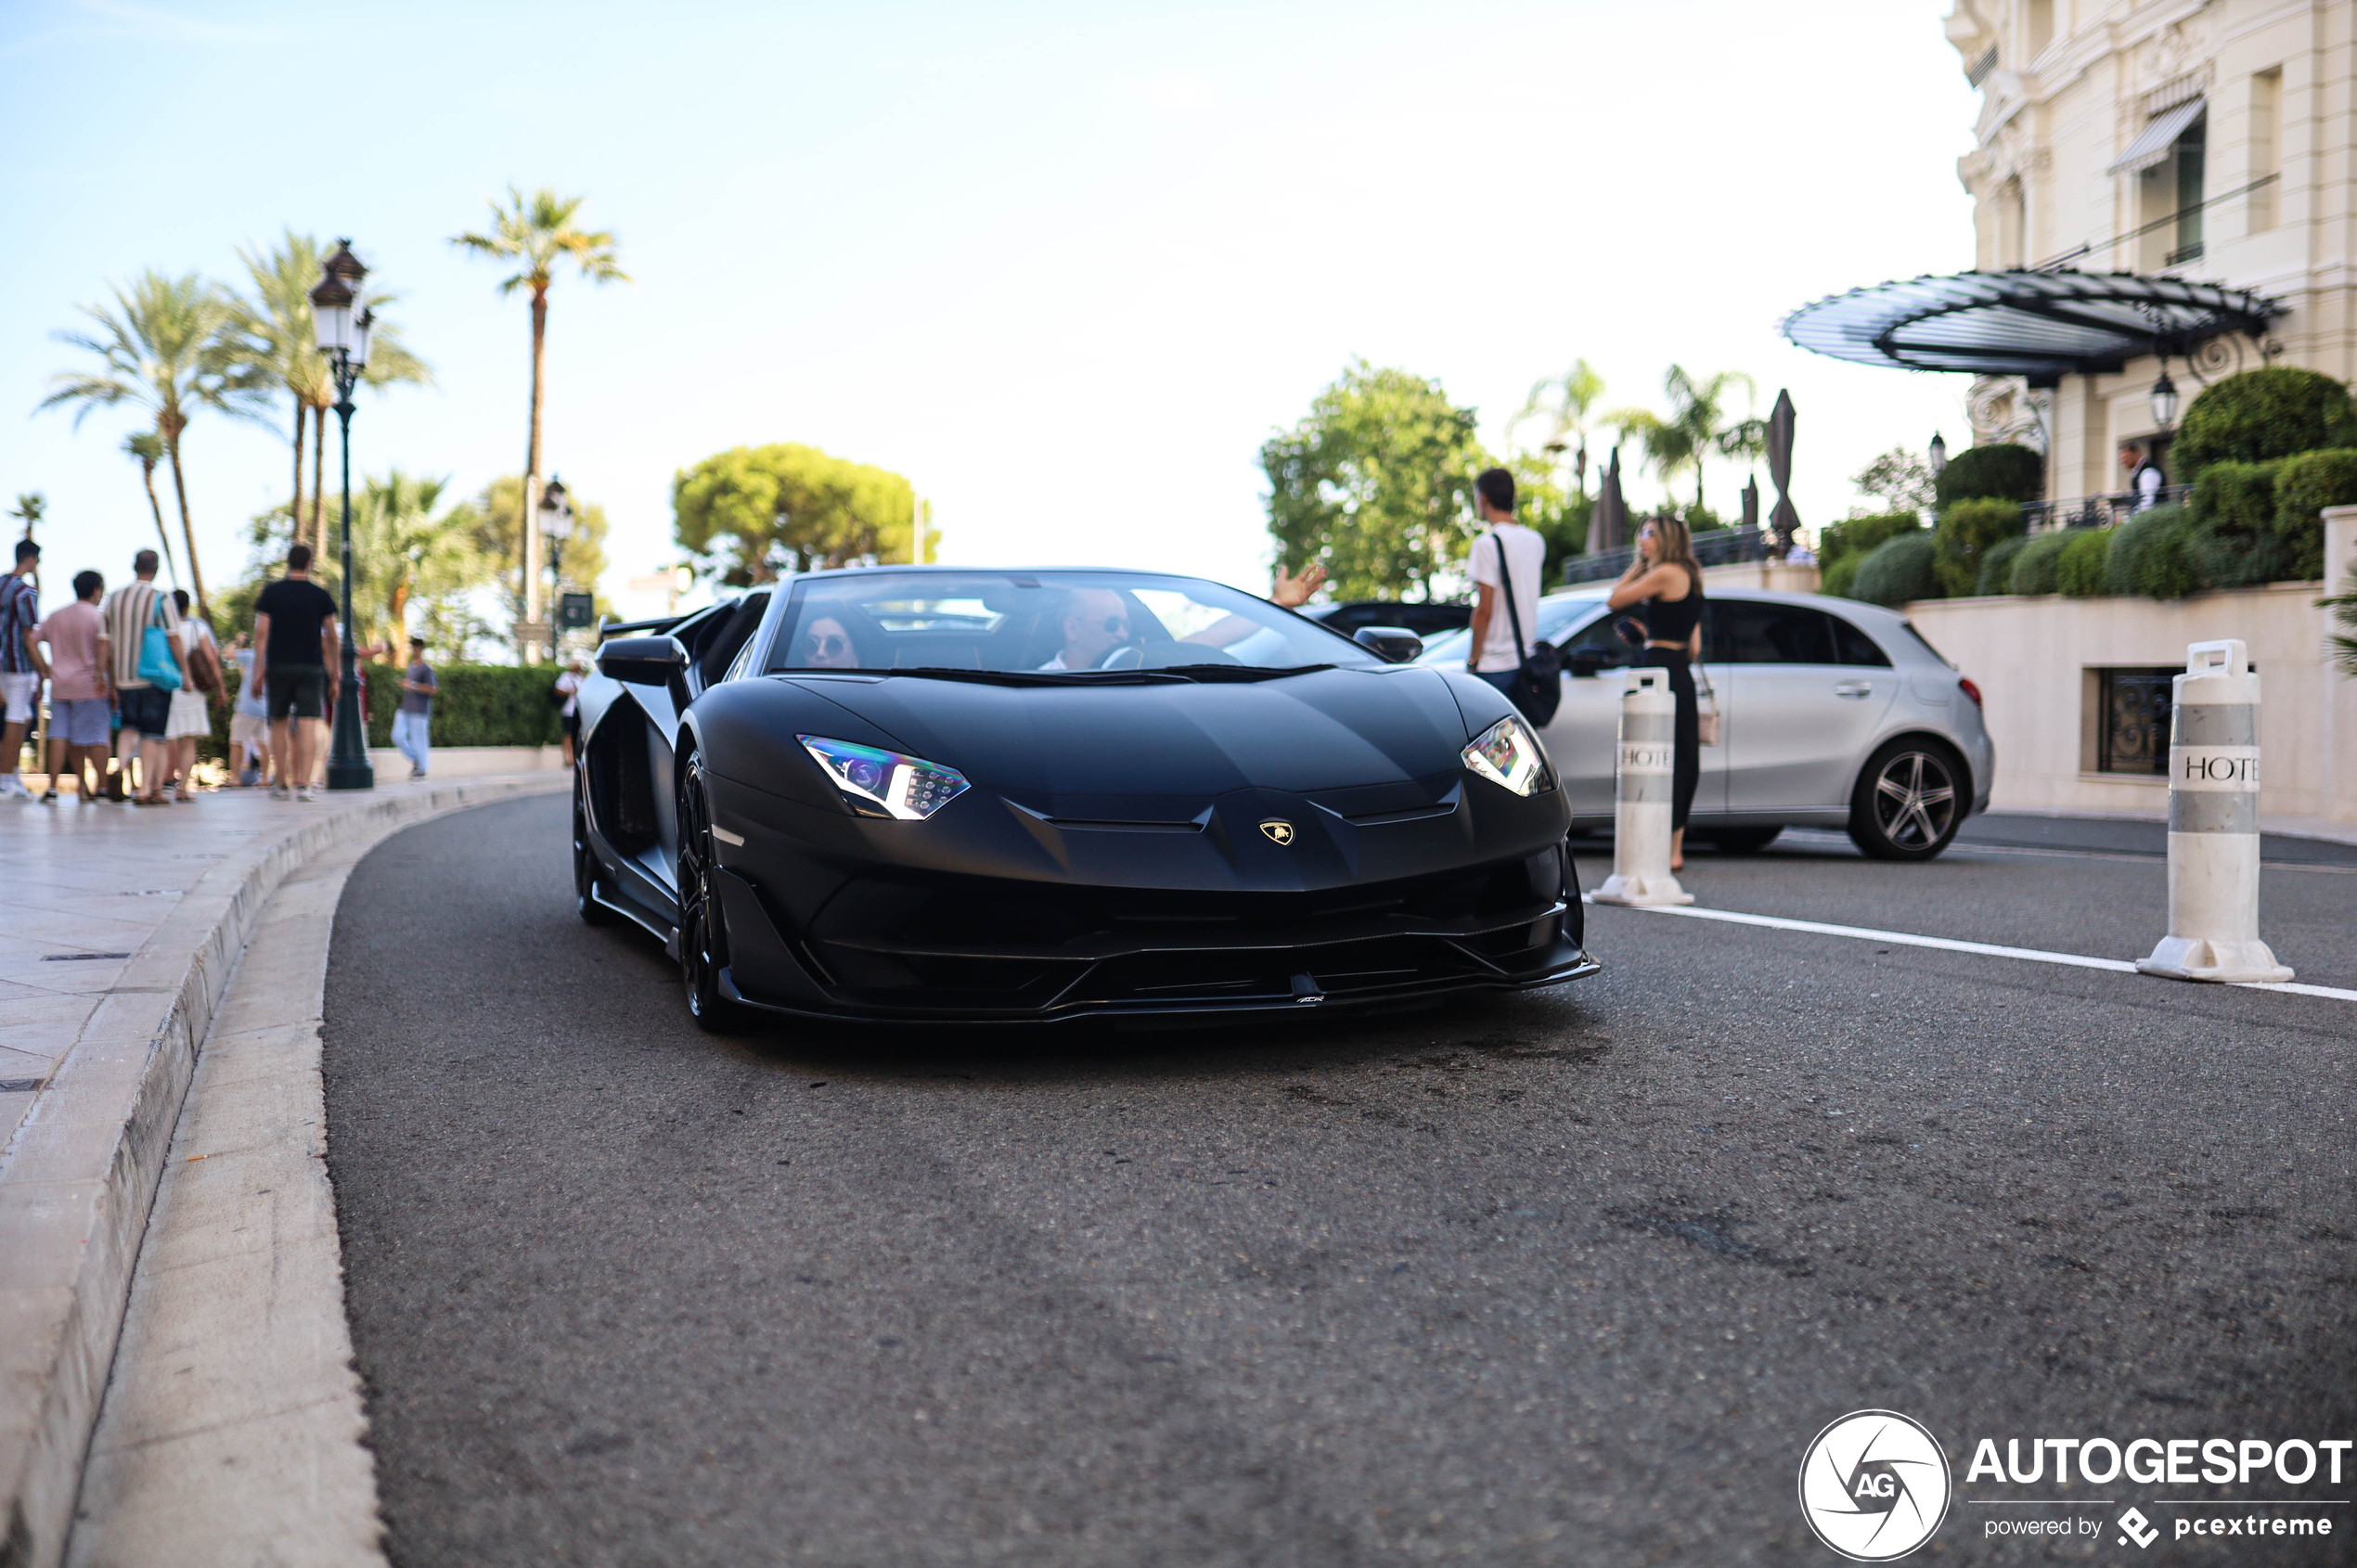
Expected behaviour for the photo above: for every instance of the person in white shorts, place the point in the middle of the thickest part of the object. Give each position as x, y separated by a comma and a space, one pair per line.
249, 718
19, 663
191, 714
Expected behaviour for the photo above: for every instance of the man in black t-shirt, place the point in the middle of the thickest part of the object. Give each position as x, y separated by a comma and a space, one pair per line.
294, 662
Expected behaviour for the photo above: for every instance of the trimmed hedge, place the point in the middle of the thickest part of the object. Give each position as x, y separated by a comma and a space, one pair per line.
1997, 566
2003, 471
2035, 567
2151, 555
2305, 486
2083, 570
1968, 530
480, 705
2263, 414
1842, 547
1899, 570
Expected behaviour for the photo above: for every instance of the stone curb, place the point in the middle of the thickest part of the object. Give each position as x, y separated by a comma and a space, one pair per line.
82, 1170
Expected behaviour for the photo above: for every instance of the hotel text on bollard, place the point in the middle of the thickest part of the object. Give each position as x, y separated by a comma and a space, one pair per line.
2213, 824
1641, 804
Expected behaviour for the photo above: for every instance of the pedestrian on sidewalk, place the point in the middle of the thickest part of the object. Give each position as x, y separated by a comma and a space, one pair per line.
192, 704
295, 647
146, 671
1667, 580
416, 712
249, 731
567, 692
19, 664
1508, 560
80, 702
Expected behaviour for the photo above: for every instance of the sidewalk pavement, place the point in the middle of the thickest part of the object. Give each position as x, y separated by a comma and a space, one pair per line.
119, 929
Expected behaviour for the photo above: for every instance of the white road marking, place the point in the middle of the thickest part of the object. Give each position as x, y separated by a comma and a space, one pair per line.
1950, 945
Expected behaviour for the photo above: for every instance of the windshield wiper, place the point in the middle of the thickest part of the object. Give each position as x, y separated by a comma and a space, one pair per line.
1239, 671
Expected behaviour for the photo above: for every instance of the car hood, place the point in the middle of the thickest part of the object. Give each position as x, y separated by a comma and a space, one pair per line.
1056, 748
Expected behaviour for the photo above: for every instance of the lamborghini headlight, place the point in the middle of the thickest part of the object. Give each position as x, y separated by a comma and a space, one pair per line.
879, 783
1508, 754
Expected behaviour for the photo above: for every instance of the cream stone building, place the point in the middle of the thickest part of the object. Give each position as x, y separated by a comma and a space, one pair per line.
2208, 141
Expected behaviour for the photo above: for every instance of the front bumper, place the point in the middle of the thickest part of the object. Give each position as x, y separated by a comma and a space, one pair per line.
818, 925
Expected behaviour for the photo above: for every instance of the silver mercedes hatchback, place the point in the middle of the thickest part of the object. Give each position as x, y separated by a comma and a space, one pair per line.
1832, 713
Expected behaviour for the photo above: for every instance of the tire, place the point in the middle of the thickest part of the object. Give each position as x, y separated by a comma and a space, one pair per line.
1740, 841
1909, 800
584, 869
704, 933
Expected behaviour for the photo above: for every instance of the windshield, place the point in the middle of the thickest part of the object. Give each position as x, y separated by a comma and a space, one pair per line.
1071, 624
1557, 616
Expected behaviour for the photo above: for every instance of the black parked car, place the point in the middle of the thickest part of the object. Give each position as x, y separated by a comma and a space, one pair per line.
930, 794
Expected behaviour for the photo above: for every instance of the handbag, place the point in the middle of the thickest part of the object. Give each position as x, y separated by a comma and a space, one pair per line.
1707, 719
204, 666
1538, 688
156, 666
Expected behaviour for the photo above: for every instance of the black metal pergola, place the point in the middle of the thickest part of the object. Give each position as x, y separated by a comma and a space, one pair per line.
2039, 324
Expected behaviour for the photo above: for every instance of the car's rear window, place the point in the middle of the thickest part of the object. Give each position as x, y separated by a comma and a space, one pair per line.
1908, 626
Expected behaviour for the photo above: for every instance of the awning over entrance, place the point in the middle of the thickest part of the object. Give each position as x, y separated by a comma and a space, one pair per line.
2040, 324
2152, 144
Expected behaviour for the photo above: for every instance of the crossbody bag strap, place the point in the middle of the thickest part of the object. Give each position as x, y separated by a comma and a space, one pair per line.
1513, 616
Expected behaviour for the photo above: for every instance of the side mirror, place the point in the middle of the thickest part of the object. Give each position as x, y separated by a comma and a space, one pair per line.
1589, 660
1393, 644
643, 660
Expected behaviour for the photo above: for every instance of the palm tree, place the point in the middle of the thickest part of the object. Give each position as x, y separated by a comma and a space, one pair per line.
166, 347
1563, 401
1697, 426
278, 344
537, 233
30, 505
146, 448
411, 553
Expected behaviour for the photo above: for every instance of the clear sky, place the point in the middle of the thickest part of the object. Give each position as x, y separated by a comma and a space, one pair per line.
1063, 266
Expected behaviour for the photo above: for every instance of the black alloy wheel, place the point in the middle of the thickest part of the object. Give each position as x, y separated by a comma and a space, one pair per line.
703, 934
585, 868
1739, 841
1909, 802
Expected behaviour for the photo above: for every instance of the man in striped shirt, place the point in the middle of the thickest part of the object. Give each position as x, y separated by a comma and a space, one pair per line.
146, 707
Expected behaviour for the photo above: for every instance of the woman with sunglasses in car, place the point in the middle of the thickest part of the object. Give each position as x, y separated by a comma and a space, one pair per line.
1665, 582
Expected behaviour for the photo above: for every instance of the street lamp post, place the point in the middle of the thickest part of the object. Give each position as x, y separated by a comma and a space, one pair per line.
2164, 399
1938, 454
556, 526
343, 337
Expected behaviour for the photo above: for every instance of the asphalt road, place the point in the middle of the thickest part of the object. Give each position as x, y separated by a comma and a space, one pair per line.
1570, 1278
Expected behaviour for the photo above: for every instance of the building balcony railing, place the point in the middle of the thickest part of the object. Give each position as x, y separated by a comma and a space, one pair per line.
1716, 546
2095, 511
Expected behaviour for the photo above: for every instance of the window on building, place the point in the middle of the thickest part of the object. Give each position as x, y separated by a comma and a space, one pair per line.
2131, 720
2191, 156
2266, 147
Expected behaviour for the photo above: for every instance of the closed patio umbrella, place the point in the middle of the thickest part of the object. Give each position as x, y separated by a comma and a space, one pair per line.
1608, 523
1784, 518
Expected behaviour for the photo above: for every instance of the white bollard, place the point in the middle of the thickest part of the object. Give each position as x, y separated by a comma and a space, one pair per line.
1641, 796
2213, 824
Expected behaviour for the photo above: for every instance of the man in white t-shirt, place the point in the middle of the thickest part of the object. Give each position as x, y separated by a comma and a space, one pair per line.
1493, 656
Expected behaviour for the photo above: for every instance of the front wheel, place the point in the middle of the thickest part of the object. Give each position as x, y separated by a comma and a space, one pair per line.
1909, 802
704, 933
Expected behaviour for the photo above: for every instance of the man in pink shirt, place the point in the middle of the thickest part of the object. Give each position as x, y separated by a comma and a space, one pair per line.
79, 667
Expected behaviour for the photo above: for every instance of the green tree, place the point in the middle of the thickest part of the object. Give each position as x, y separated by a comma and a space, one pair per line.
495, 521
29, 505
1899, 480
278, 346
537, 233
167, 347
1564, 403
145, 448
2261, 413
1375, 484
405, 547
1698, 426
757, 512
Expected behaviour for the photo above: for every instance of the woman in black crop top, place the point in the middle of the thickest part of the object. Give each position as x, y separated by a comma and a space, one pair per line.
1666, 581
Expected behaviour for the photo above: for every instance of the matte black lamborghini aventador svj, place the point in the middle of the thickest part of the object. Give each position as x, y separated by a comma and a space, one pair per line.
933, 794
